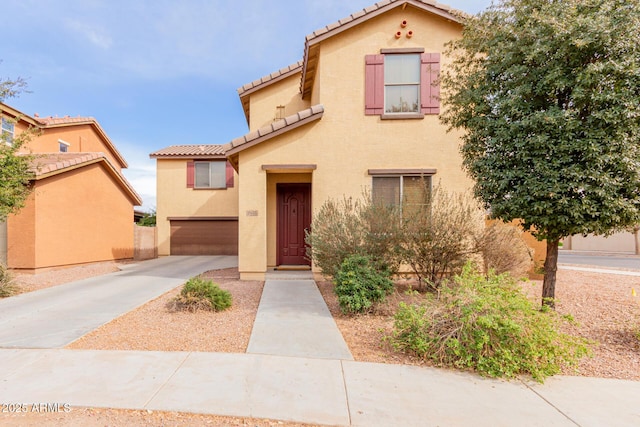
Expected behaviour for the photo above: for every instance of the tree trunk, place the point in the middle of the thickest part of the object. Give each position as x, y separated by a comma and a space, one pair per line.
550, 268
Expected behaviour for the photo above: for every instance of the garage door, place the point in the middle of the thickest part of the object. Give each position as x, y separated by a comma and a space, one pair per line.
208, 237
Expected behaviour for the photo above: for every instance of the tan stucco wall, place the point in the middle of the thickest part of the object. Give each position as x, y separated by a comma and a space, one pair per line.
264, 103
174, 199
76, 217
622, 242
345, 143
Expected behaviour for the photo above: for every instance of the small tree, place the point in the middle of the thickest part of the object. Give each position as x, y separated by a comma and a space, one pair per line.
548, 94
15, 169
148, 219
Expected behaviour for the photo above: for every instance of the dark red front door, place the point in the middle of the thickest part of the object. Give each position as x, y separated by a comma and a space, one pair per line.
294, 216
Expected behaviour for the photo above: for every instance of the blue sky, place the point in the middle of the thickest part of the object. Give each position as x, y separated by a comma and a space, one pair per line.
156, 73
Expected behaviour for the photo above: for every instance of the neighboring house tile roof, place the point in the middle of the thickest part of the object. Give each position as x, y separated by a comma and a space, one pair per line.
311, 46
276, 128
46, 165
191, 151
262, 82
51, 122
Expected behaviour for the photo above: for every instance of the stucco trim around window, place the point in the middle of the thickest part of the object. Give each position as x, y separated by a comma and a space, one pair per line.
414, 172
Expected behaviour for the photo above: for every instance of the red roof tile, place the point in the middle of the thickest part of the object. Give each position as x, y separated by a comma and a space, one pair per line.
276, 128
191, 151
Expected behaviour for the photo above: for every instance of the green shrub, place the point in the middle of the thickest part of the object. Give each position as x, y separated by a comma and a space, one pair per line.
359, 284
347, 227
7, 288
486, 324
201, 294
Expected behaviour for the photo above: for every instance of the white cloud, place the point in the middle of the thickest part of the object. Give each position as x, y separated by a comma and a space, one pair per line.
95, 35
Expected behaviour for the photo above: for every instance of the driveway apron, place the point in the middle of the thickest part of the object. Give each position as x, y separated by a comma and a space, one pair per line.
56, 316
293, 320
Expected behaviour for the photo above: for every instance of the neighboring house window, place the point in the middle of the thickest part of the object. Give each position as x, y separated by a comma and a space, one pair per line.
408, 193
402, 83
8, 130
217, 174
63, 146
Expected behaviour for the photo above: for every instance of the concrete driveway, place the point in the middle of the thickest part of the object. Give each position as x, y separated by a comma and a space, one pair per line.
56, 316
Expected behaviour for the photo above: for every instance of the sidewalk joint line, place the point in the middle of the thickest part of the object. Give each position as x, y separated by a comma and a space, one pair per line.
346, 392
167, 381
550, 404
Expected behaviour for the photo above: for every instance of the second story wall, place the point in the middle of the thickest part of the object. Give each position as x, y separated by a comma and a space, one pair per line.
264, 103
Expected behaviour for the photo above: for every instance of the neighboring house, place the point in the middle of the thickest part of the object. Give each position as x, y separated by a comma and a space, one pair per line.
81, 206
360, 111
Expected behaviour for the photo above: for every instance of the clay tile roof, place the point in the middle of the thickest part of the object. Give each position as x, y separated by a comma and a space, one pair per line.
276, 128
52, 121
191, 151
271, 78
308, 69
45, 165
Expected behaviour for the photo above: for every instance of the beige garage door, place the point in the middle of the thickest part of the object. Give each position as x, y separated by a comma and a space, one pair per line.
204, 237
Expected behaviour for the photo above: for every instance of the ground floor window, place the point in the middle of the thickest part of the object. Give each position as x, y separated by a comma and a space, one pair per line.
409, 193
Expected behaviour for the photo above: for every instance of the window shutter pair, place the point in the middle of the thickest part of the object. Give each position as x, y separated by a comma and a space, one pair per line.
191, 175
429, 92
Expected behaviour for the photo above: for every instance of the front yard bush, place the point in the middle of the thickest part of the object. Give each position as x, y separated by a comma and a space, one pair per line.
486, 323
7, 288
503, 250
439, 237
359, 284
201, 294
349, 227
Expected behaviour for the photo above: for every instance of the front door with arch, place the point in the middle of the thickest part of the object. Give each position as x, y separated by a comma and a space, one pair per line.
293, 218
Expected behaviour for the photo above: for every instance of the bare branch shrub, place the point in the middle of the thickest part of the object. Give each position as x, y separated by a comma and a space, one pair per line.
353, 227
438, 238
503, 250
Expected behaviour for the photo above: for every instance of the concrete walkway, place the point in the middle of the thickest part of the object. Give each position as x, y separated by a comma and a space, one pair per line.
331, 392
293, 320
57, 316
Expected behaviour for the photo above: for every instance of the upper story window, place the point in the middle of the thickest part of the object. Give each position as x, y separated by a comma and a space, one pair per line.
210, 175
63, 146
214, 174
8, 130
402, 83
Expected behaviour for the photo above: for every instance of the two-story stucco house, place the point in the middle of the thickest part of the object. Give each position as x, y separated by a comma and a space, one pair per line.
361, 110
81, 206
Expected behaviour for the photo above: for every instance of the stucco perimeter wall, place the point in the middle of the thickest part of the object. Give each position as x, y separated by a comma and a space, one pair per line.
3, 243
264, 103
78, 217
345, 143
174, 199
621, 242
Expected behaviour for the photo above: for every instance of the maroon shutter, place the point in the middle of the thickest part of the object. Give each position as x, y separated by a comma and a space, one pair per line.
374, 85
229, 175
190, 174
430, 92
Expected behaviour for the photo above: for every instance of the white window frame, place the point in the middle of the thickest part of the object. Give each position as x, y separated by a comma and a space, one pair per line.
65, 144
388, 84
210, 163
8, 127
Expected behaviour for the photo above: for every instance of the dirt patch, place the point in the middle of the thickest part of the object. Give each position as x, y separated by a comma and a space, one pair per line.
154, 327
90, 417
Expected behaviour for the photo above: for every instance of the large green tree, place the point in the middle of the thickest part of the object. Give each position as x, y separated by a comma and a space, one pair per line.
15, 167
547, 93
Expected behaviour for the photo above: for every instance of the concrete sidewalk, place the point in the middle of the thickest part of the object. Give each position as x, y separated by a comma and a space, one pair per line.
332, 392
57, 316
293, 320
